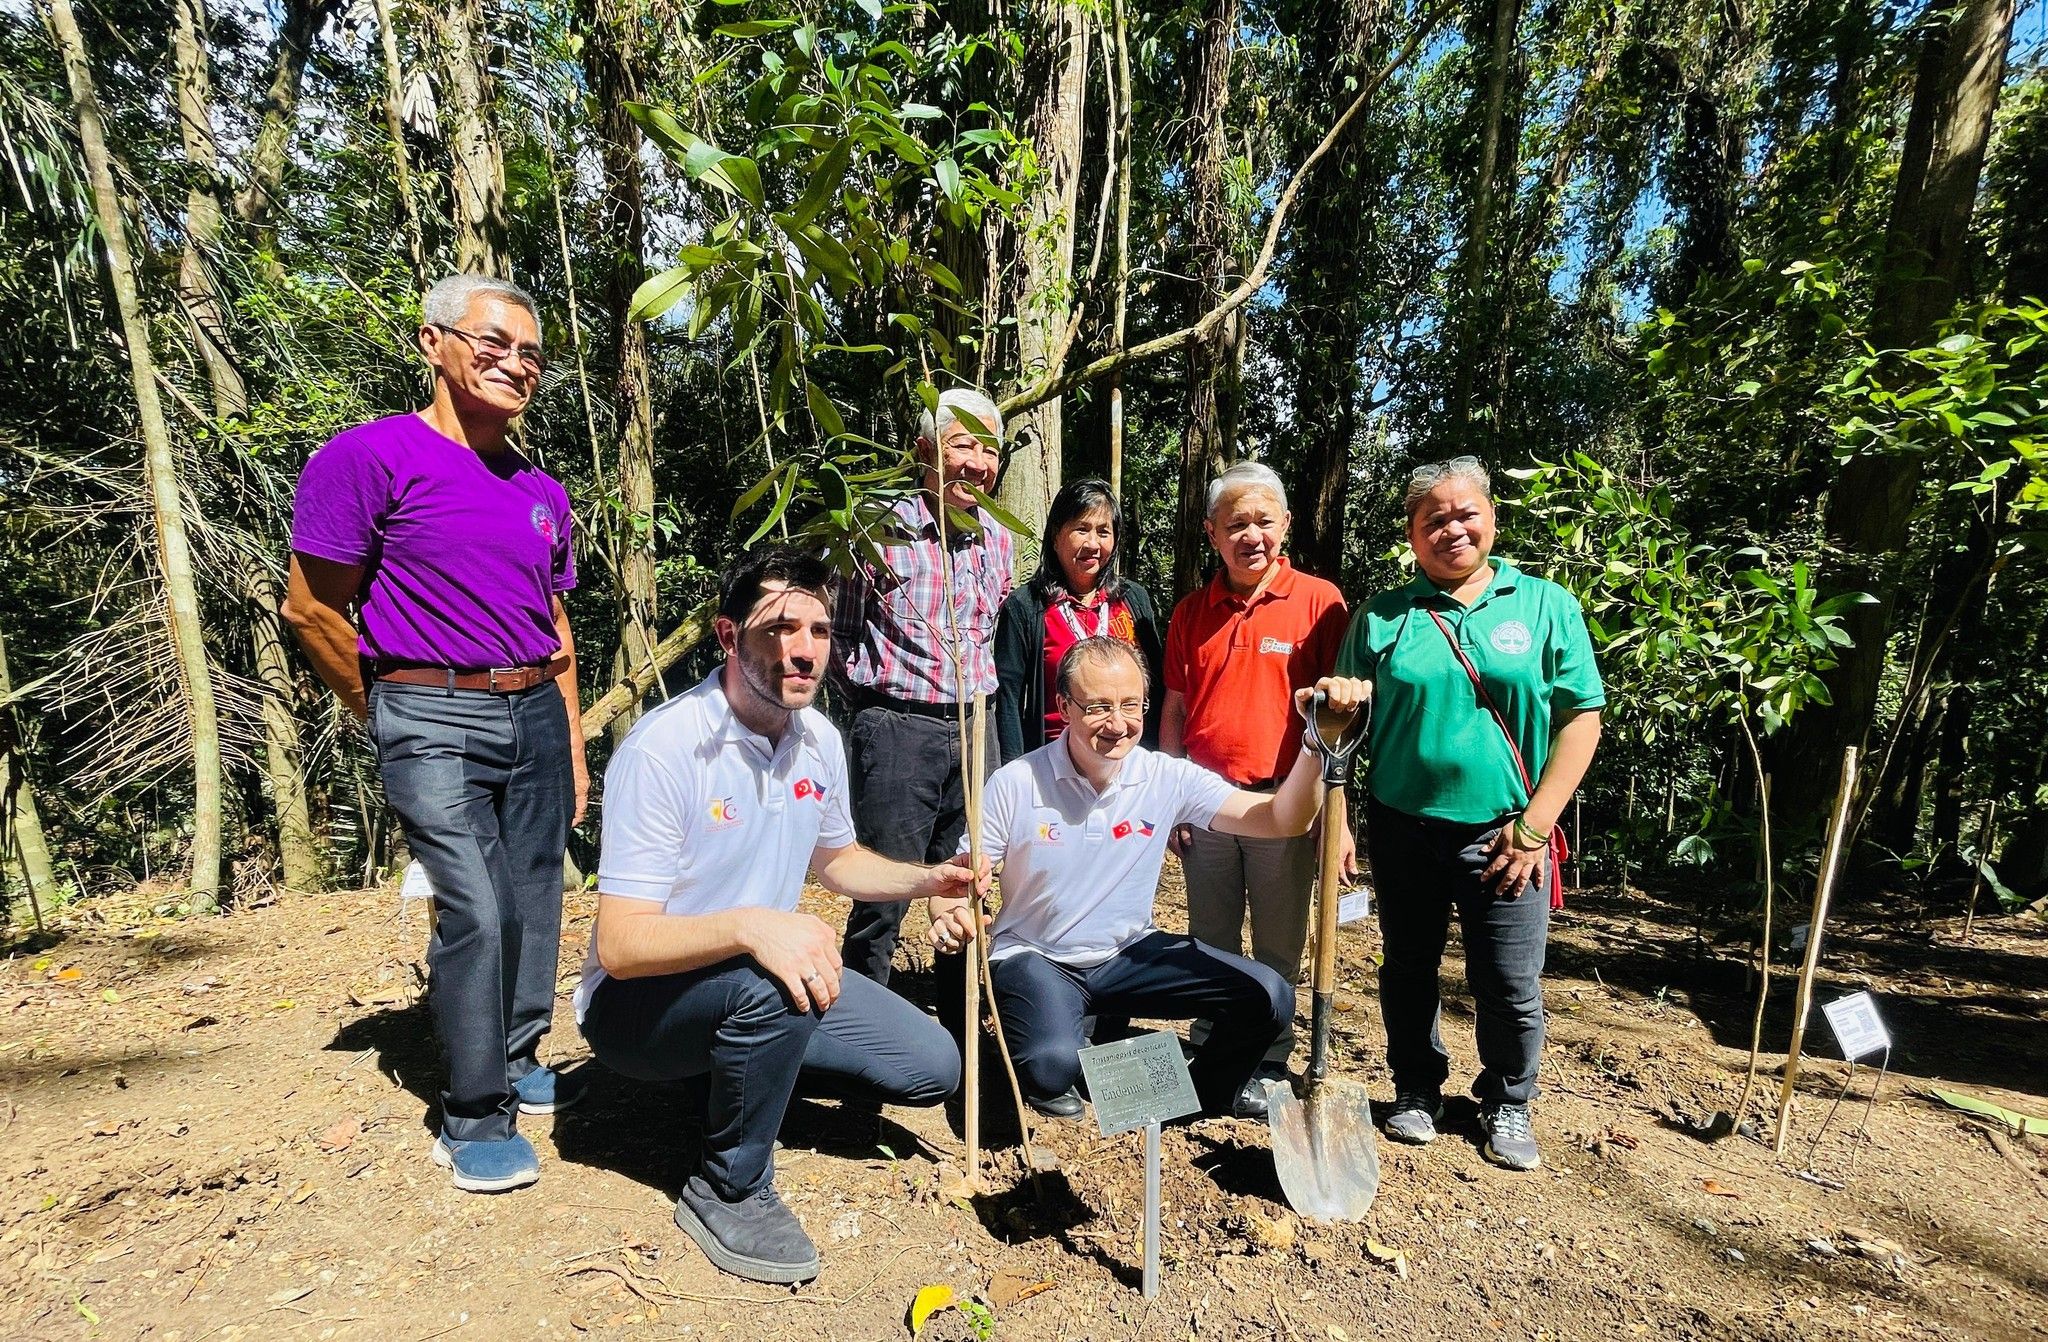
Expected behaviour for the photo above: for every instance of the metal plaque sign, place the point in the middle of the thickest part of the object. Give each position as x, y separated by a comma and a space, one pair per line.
1140, 1080
1857, 1026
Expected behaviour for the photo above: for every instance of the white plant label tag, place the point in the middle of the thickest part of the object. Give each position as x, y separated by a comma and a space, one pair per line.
1356, 905
1857, 1026
415, 885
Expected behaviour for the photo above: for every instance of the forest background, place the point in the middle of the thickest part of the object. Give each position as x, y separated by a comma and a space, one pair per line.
1742, 300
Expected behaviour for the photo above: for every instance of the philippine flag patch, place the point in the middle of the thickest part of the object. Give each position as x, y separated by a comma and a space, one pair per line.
1145, 828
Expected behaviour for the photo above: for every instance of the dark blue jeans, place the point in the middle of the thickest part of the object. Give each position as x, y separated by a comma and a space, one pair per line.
481, 785
733, 1022
1423, 869
1160, 976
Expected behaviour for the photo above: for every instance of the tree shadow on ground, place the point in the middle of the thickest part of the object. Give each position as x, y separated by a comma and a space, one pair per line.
1996, 1035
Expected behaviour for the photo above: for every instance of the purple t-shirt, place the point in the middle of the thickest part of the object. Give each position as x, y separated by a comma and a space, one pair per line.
462, 553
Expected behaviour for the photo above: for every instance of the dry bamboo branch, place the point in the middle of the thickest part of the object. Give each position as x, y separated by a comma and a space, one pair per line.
630, 691
1831, 862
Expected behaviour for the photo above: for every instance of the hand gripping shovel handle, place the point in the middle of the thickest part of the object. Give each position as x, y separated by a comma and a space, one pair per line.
1336, 761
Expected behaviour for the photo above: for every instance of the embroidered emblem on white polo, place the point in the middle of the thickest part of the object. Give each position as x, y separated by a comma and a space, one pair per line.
1080, 868
702, 815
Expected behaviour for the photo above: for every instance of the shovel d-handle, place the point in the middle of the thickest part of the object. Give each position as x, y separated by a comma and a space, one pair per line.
1335, 755
1323, 980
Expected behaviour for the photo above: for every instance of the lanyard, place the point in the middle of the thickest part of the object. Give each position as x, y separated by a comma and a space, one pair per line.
1101, 618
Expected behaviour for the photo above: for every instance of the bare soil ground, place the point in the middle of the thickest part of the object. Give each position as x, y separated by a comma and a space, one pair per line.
212, 1131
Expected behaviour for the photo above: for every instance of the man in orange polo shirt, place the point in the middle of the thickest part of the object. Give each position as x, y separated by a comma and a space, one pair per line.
1236, 651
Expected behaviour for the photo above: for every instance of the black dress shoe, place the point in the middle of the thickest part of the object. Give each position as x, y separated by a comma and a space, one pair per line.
1067, 1104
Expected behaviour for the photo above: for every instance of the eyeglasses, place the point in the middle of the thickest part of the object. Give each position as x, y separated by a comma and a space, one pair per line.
1132, 710
494, 350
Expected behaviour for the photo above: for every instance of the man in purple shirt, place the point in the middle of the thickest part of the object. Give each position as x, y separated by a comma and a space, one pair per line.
429, 560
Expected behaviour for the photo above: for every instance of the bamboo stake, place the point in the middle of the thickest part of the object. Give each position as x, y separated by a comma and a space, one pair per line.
1831, 862
970, 1075
1984, 833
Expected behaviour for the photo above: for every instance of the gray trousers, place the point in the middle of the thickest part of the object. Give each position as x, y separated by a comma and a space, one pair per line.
1425, 869
482, 786
1273, 879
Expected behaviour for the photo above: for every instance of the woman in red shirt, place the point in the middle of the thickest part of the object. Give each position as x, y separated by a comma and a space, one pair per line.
1078, 592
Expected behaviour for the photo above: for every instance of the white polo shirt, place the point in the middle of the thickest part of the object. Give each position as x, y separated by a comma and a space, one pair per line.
1080, 867
701, 814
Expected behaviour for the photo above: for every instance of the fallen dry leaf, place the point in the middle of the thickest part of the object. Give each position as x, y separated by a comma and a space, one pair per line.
341, 1135
285, 1297
1009, 1287
1719, 1189
928, 1301
1389, 1257
69, 974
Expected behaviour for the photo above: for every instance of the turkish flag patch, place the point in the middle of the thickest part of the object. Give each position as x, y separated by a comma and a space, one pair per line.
1122, 830
806, 787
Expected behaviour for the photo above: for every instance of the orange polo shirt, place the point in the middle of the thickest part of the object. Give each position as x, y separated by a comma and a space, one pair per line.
1238, 663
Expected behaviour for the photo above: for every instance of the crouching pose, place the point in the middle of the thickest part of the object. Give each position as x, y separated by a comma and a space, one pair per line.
1080, 828
701, 965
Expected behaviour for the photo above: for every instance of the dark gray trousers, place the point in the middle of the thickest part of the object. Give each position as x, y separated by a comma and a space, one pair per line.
907, 804
733, 1022
482, 786
1160, 976
1423, 870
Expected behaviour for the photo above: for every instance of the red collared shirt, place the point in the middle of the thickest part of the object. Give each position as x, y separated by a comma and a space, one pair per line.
896, 635
1238, 663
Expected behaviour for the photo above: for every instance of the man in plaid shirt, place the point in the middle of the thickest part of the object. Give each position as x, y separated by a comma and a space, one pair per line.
898, 643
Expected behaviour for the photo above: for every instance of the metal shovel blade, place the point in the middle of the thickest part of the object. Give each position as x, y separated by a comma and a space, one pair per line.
1324, 1148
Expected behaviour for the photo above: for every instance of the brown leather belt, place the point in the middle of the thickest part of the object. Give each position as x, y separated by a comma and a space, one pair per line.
496, 680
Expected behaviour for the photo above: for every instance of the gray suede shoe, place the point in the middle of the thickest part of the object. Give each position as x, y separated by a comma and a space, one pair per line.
757, 1237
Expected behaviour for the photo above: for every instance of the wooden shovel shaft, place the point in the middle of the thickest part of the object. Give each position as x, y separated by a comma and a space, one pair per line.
1324, 978
1831, 862
970, 1058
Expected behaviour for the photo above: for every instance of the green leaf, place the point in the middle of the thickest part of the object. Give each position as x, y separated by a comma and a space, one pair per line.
827, 414
657, 295
2020, 1123
783, 494
753, 27
947, 172
997, 511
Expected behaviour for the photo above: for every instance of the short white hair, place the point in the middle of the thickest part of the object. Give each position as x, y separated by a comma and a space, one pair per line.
932, 423
1425, 478
1245, 475
447, 303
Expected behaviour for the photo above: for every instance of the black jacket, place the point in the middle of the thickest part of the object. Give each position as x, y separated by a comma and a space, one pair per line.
1020, 667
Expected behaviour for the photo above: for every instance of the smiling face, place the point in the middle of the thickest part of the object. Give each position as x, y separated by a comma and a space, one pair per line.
1248, 528
1114, 688
781, 651
964, 457
479, 383
1452, 528
1083, 547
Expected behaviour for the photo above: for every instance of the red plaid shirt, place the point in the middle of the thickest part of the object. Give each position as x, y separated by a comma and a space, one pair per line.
893, 632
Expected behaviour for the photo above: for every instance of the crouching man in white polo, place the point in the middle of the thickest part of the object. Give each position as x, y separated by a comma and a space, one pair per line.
700, 965
1080, 828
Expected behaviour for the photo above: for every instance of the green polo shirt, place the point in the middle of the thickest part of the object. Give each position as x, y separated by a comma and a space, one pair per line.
1435, 750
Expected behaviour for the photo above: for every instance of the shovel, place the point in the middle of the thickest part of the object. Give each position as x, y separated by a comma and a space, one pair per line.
1323, 1140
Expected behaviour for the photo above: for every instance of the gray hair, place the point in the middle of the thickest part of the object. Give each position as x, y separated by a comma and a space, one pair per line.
1245, 475
973, 400
1425, 478
447, 303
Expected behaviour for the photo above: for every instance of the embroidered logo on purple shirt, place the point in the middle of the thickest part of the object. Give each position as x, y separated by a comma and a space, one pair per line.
543, 523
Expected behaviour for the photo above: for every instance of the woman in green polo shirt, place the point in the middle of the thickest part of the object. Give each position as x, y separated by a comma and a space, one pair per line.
1483, 680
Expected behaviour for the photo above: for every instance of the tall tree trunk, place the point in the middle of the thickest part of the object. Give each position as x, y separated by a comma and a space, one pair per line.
23, 823
613, 60
478, 167
174, 552
1327, 286
270, 154
1494, 65
1042, 288
394, 126
1956, 86
1120, 72
283, 752
1210, 439
197, 293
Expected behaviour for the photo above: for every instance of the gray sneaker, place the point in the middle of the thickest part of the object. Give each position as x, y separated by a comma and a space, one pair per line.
1510, 1140
757, 1237
1413, 1117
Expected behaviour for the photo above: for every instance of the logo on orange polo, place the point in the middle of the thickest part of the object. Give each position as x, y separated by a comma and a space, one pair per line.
1279, 645
723, 813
